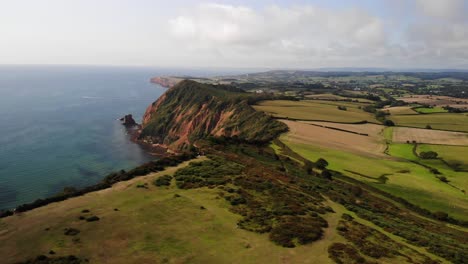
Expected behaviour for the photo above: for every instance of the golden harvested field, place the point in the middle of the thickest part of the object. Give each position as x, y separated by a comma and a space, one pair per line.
372, 130
372, 145
332, 97
400, 110
429, 136
436, 100
316, 110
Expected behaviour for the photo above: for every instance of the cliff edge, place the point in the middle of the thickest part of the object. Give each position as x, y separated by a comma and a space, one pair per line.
191, 111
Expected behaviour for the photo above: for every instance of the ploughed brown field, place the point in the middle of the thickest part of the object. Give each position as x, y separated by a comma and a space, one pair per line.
314, 133
404, 134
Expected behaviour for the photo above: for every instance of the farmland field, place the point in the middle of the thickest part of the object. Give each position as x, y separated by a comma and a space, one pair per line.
400, 110
442, 121
429, 136
329, 96
372, 130
436, 100
316, 110
456, 156
334, 139
430, 110
362, 158
405, 179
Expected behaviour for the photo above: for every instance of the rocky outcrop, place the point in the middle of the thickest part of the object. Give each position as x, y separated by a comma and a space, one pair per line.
128, 121
191, 111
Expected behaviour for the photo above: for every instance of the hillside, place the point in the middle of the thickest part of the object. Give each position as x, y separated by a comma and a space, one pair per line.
191, 111
253, 197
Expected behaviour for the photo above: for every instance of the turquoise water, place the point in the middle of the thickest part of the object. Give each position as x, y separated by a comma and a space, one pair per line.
59, 128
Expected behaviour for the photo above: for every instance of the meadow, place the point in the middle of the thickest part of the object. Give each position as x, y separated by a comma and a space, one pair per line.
441, 121
316, 110
430, 110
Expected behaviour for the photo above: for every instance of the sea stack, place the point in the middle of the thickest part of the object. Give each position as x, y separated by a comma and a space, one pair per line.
128, 121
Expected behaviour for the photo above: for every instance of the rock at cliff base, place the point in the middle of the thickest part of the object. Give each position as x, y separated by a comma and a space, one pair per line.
128, 121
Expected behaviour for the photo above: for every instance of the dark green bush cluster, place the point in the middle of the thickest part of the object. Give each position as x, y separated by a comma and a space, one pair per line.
345, 254
215, 171
369, 241
303, 229
342, 108
164, 180
428, 155
42, 259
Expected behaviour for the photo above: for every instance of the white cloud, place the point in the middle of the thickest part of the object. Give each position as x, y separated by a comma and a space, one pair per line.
296, 33
443, 9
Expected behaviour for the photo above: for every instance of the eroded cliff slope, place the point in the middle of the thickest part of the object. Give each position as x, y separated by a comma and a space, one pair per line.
191, 111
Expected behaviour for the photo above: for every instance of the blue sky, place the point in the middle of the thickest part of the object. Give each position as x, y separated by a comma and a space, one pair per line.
270, 34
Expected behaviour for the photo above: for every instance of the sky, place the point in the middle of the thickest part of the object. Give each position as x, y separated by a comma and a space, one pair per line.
396, 34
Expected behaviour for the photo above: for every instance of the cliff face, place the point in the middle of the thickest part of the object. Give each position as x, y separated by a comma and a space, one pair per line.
190, 111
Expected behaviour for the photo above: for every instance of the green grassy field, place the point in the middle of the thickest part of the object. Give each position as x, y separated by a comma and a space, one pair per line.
316, 110
427, 110
454, 155
408, 180
442, 121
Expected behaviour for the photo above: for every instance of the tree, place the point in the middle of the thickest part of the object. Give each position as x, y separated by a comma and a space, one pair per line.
321, 163
428, 127
388, 123
428, 155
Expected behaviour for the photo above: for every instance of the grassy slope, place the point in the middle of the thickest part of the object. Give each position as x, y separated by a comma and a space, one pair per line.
151, 226
316, 110
154, 226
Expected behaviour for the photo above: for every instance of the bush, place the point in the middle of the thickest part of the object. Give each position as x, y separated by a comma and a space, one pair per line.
71, 231
442, 216
428, 155
92, 219
342, 108
326, 174
164, 180
321, 163
388, 123
302, 229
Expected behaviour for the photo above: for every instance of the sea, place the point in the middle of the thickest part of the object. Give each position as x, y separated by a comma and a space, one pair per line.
59, 125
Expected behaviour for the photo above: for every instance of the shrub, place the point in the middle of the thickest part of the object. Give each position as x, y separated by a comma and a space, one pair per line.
442, 216
326, 174
342, 108
92, 219
71, 231
428, 155
164, 180
388, 123
321, 163
302, 229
